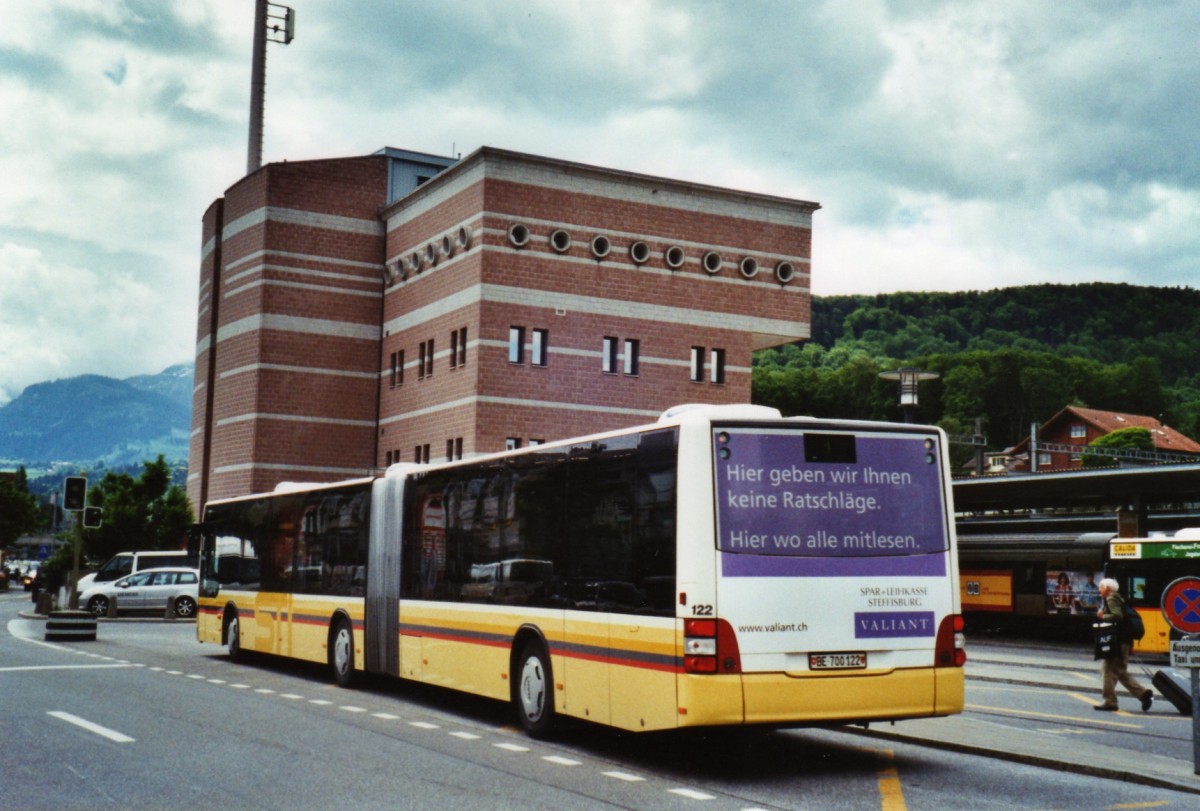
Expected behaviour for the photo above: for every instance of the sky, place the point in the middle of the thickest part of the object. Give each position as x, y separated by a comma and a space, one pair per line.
961, 145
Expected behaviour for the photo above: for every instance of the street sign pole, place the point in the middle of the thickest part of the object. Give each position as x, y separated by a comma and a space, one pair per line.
1181, 608
1185, 654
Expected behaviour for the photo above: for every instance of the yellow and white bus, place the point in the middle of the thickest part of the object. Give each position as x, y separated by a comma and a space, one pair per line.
721, 566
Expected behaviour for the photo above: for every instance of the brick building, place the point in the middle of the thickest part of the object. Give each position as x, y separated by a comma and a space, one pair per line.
357, 312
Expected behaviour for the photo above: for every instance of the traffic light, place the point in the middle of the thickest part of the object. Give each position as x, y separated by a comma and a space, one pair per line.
74, 492
92, 517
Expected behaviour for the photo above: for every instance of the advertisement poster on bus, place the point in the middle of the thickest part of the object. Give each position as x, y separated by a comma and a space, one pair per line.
1072, 591
830, 505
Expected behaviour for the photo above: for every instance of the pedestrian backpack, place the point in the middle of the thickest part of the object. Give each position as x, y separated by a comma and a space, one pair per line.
1132, 626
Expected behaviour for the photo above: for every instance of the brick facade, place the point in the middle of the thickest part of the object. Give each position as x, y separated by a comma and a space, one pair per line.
334, 304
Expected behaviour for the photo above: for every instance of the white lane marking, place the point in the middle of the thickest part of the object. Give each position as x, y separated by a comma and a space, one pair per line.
105, 732
195, 676
240, 686
466, 736
60, 667
691, 794
352, 709
561, 761
264, 690
423, 725
626, 776
216, 681
386, 716
320, 702
291, 696
511, 747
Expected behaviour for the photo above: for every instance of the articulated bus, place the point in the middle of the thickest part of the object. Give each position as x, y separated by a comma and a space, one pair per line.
723, 566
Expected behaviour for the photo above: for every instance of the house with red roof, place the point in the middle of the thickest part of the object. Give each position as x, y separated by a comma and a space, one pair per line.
1082, 426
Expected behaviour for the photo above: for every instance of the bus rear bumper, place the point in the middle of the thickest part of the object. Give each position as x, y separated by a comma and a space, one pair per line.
826, 698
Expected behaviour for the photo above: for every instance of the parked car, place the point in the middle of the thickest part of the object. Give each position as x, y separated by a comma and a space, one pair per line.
147, 590
124, 563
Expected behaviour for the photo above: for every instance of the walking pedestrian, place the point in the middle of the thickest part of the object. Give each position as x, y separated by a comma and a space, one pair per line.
1112, 609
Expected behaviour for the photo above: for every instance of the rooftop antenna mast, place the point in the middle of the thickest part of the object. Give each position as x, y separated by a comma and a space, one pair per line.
272, 23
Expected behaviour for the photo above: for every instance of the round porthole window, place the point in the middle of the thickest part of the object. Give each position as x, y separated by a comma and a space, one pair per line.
601, 245
639, 252
518, 235
784, 272
674, 257
712, 262
463, 238
560, 240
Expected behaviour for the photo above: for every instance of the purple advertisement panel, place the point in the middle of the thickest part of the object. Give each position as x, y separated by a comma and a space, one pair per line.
829, 504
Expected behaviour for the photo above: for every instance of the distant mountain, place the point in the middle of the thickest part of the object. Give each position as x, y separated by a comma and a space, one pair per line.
93, 419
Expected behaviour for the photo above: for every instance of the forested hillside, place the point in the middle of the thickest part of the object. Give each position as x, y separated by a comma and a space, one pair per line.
1011, 356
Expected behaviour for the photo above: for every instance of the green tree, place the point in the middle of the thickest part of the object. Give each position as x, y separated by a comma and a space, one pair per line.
19, 511
1138, 438
143, 513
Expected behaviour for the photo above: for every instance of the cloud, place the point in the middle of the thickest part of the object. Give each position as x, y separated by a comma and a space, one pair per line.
952, 144
51, 316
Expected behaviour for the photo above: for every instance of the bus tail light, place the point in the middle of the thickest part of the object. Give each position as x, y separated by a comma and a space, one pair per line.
950, 650
709, 646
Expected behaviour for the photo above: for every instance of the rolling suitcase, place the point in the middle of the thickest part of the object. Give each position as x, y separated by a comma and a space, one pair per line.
1176, 687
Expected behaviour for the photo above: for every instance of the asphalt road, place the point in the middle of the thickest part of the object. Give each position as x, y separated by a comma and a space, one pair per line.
145, 717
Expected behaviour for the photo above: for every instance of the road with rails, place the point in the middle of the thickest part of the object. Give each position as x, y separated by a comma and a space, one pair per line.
145, 717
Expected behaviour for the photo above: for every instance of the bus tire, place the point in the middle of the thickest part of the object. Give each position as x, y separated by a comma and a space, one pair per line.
533, 693
341, 652
233, 636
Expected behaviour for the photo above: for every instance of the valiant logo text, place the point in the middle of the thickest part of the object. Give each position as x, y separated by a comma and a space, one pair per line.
879, 624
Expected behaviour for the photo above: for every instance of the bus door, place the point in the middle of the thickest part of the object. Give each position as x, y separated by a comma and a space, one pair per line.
835, 560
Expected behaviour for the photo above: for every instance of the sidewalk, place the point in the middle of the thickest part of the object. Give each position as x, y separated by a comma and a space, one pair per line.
1066, 667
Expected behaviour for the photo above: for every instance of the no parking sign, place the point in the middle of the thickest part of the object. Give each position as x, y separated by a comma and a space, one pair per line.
1181, 605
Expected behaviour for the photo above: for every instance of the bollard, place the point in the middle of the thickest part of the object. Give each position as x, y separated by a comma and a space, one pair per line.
70, 626
112, 608
170, 613
45, 603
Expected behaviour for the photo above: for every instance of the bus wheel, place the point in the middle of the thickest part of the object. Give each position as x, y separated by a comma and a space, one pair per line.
233, 636
341, 653
533, 696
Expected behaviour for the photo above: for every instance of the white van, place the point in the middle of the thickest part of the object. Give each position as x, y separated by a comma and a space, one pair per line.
124, 563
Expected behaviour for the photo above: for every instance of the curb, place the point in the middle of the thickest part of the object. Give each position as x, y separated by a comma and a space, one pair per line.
1032, 760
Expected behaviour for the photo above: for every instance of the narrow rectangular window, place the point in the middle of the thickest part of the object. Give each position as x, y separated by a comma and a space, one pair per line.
399, 372
717, 367
697, 364
429, 362
453, 349
631, 356
421, 362
462, 346
392, 379
541, 340
458, 448
449, 450
533, 442
388, 459
516, 344
417, 454
609, 360
512, 443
